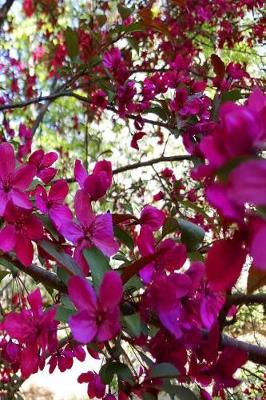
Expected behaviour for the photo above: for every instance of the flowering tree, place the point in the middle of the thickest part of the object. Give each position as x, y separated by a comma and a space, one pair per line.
137, 270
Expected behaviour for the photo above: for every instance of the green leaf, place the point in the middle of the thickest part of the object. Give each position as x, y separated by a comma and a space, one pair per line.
72, 43
135, 27
49, 226
159, 111
110, 369
3, 274
124, 237
232, 95
170, 225
63, 313
61, 257
164, 370
98, 264
125, 12
191, 234
62, 275
178, 392
8, 265
133, 324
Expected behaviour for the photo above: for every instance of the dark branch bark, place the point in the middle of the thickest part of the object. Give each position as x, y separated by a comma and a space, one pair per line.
241, 299
4, 11
39, 274
256, 354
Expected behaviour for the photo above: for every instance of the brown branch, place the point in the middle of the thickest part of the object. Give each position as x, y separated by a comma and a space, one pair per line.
39, 274
245, 299
4, 11
256, 354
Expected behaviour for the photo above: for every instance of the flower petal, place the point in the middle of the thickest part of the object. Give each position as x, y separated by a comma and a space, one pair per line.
24, 176
7, 238
82, 294
7, 160
83, 327
103, 235
111, 290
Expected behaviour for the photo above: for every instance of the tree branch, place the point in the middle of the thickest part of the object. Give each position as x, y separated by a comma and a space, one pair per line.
245, 299
4, 11
256, 354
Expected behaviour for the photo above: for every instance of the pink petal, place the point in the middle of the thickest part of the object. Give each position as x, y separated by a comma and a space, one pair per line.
224, 263
83, 208
3, 202
60, 214
7, 160
7, 238
152, 217
35, 301
20, 199
82, 294
111, 290
34, 228
80, 173
218, 197
24, 249
71, 231
24, 176
47, 174
110, 326
18, 326
103, 236
247, 183
83, 327
49, 158
58, 191
258, 249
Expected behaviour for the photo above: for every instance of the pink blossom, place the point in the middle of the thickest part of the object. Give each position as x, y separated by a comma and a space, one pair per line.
152, 217
97, 183
36, 330
21, 228
91, 230
13, 182
98, 316
43, 164
96, 389
53, 203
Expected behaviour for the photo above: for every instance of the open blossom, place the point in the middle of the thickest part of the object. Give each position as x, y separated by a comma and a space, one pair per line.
53, 202
96, 389
35, 329
43, 163
171, 256
13, 181
22, 227
91, 230
98, 317
152, 217
97, 183
164, 297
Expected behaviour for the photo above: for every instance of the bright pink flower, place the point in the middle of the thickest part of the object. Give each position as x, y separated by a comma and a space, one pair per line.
36, 330
224, 263
164, 295
96, 389
92, 230
247, 183
112, 58
98, 316
43, 164
22, 227
13, 182
152, 217
52, 204
97, 183
172, 256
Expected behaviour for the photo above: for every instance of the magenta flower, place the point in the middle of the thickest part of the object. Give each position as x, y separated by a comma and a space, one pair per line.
22, 227
36, 330
43, 163
172, 255
164, 297
152, 217
13, 182
224, 263
96, 389
97, 183
52, 204
112, 58
91, 231
98, 316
